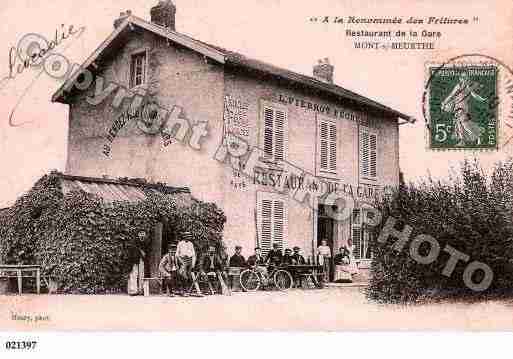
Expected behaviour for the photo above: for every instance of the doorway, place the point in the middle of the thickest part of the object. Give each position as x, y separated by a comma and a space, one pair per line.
326, 230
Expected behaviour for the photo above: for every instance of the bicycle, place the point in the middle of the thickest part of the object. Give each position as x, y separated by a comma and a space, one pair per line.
252, 278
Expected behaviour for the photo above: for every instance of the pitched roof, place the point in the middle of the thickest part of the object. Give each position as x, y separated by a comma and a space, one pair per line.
111, 190
230, 59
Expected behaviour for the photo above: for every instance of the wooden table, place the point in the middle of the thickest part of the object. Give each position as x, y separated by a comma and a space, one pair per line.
19, 270
309, 270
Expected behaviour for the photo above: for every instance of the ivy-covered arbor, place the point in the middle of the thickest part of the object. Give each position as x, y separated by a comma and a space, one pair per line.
83, 230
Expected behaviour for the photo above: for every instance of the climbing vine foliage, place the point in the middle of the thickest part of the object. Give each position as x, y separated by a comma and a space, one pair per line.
89, 246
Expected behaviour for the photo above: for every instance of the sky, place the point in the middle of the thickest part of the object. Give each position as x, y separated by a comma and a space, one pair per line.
275, 31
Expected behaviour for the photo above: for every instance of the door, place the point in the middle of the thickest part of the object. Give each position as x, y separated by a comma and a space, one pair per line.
325, 230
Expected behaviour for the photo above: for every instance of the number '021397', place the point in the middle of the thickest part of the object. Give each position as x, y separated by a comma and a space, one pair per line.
20, 345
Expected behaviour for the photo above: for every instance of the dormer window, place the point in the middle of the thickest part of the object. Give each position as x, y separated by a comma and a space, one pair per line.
138, 69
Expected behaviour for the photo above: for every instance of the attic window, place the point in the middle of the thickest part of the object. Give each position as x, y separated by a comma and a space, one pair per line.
138, 69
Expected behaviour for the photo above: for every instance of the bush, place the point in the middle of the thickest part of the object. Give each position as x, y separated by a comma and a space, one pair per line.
89, 246
473, 214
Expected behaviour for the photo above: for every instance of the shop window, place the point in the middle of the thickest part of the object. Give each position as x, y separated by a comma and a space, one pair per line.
368, 154
327, 146
272, 221
138, 69
275, 132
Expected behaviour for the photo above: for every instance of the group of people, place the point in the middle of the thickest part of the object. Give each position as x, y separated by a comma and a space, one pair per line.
179, 266
274, 257
344, 261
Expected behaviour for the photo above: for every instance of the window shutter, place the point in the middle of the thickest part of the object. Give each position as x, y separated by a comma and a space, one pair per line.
323, 138
356, 233
275, 134
280, 128
373, 149
368, 154
364, 154
267, 224
327, 145
268, 131
333, 147
357, 240
272, 221
279, 223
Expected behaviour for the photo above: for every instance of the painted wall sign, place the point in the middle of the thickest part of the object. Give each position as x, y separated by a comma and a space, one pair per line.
323, 109
320, 187
236, 116
236, 122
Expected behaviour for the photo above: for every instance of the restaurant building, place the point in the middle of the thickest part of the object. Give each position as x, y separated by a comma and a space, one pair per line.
317, 139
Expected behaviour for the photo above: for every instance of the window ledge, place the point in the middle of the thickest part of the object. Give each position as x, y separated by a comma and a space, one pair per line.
327, 173
369, 179
364, 263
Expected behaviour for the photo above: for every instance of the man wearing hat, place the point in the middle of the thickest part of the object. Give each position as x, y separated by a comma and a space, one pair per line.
287, 258
186, 255
237, 260
274, 256
168, 269
298, 258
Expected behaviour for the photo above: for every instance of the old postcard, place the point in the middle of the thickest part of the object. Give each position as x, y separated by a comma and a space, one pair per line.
256, 165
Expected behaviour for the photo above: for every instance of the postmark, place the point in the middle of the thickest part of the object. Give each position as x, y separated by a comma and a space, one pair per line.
464, 102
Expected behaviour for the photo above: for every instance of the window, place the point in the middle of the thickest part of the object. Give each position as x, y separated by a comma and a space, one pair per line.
368, 154
360, 236
272, 220
327, 146
275, 132
138, 69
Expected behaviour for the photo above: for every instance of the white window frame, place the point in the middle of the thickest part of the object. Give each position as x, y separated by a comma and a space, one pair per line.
330, 143
274, 156
131, 80
372, 154
272, 225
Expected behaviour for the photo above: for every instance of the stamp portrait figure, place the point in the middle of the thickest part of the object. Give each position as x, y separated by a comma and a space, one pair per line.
458, 104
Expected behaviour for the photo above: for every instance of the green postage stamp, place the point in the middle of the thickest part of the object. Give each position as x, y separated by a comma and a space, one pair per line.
462, 107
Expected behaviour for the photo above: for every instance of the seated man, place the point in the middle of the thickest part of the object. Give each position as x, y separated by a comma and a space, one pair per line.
274, 257
298, 258
168, 269
287, 259
211, 264
236, 263
258, 261
237, 260
345, 266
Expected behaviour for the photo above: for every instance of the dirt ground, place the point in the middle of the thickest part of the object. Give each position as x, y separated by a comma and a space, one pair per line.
327, 309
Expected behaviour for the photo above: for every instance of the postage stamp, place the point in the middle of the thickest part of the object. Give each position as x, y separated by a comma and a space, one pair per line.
462, 106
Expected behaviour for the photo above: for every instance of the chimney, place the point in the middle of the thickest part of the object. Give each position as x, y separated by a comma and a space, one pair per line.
323, 71
121, 18
163, 14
